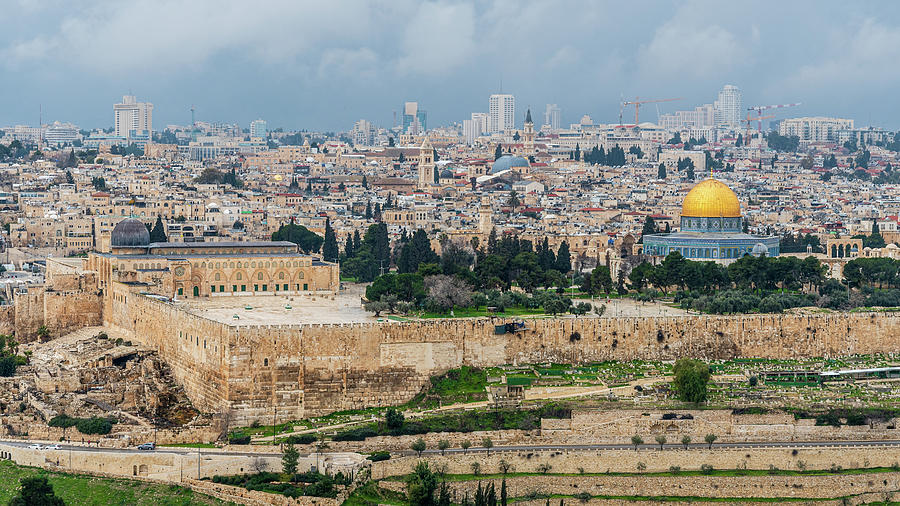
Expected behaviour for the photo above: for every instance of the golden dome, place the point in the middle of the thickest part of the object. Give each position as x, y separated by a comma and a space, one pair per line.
711, 199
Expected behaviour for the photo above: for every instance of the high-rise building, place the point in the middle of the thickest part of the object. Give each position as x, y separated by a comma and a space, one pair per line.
553, 116
363, 133
728, 107
816, 129
414, 119
60, 133
502, 112
258, 128
133, 119
475, 127
701, 117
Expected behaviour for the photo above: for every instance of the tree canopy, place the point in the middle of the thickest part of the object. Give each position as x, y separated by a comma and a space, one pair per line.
308, 241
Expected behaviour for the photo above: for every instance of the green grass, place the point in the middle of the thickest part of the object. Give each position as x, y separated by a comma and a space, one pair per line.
89, 490
190, 445
371, 493
471, 312
678, 498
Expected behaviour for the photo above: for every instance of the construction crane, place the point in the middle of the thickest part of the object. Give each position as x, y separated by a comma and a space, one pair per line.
637, 106
760, 108
749, 122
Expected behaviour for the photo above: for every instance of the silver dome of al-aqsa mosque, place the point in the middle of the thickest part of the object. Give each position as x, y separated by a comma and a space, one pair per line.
129, 233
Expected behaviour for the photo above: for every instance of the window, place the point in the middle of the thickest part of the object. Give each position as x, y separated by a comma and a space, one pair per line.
265, 288
221, 288
305, 286
233, 288
181, 291
266, 362
212, 288
255, 288
238, 276
243, 288
285, 287
218, 276
259, 276
280, 275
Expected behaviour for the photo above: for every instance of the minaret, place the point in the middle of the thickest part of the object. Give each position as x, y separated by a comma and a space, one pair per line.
426, 164
485, 217
529, 134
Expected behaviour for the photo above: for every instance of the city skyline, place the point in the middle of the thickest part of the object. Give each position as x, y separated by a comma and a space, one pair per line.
447, 56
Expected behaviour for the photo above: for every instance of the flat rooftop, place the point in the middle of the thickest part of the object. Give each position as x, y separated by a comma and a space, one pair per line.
345, 307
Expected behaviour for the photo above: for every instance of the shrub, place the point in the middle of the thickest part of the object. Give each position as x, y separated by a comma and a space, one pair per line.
379, 456
355, 435
62, 421
583, 496
242, 439
8, 366
95, 425
301, 439
706, 469
393, 419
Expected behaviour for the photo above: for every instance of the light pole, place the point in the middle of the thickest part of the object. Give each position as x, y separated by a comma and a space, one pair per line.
198, 463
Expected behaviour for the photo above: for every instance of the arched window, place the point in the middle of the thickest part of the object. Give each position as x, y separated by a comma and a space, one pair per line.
238, 276
280, 275
218, 276
259, 276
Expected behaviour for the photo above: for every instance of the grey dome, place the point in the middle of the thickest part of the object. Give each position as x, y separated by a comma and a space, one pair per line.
130, 232
446, 174
760, 249
508, 162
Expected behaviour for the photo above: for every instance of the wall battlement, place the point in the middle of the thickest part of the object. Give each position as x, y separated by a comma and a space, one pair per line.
309, 370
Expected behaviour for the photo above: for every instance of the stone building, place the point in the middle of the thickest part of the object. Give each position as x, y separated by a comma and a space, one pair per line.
183, 270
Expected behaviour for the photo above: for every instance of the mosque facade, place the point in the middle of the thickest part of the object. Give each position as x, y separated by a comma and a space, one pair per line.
190, 270
711, 229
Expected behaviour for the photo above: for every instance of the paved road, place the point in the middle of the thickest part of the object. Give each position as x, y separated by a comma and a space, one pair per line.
159, 449
513, 448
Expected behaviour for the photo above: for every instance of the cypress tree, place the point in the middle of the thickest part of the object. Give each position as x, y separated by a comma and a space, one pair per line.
330, 250
158, 233
563, 258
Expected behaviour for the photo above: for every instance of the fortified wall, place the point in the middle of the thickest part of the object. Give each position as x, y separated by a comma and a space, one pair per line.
309, 370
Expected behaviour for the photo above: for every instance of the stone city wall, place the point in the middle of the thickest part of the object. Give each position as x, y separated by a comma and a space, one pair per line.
794, 487
60, 311
618, 426
308, 370
626, 461
573, 464
8, 319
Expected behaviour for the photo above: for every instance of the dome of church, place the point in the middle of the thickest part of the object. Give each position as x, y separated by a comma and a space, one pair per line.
446, 174
506, 162
711, 199
130, 232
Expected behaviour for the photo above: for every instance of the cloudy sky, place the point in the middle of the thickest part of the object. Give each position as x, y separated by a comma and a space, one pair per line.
324, 64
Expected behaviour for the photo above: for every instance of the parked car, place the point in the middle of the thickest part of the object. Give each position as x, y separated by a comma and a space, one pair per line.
147, 446
35, 447
52, 447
